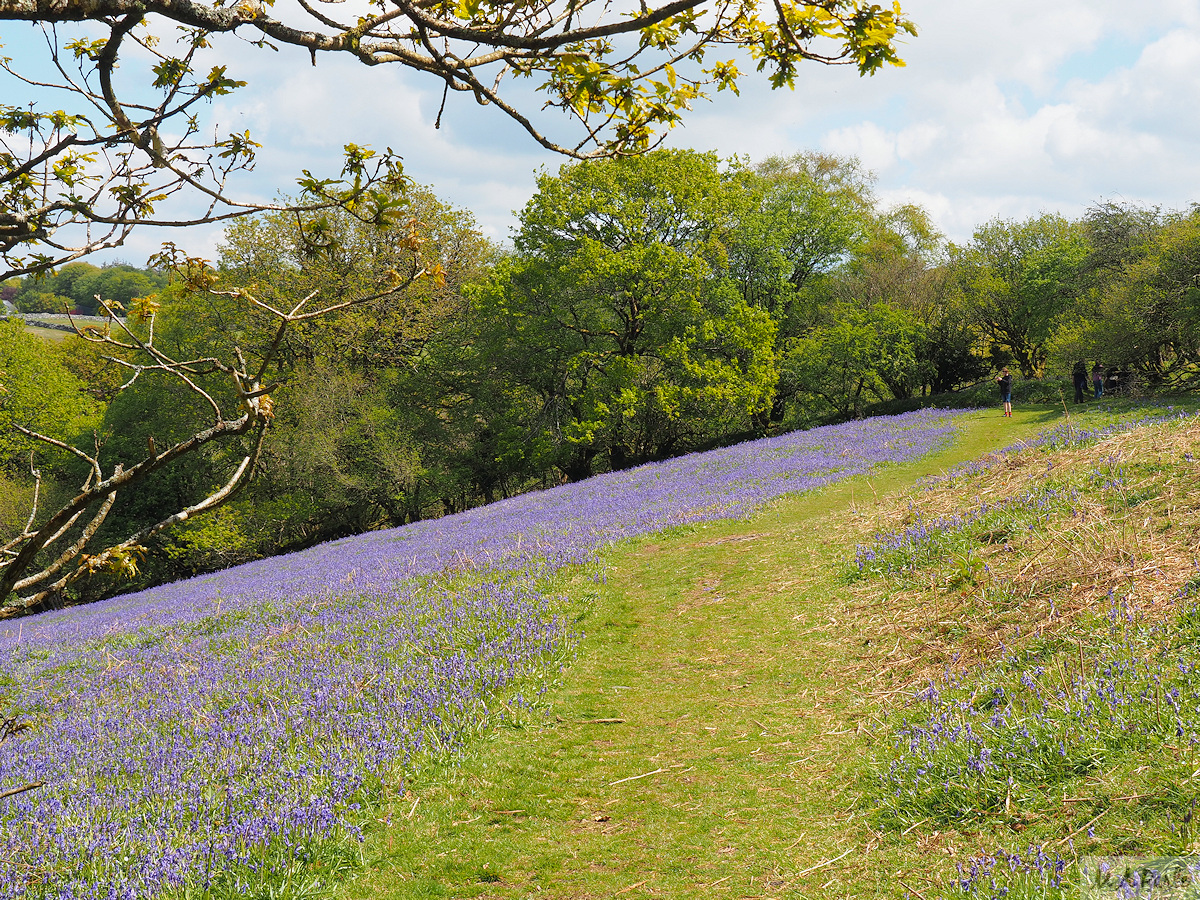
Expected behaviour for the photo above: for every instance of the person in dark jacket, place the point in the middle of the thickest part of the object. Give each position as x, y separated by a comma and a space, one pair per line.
1004, 379
1098, 380
1079, 376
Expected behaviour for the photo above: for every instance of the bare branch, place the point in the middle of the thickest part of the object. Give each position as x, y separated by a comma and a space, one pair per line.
74, 550
109, 167
99, 561
12, 792
25, 585
37, 489
53, 442
14, 569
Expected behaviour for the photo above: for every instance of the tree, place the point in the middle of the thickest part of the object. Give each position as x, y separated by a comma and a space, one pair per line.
1019, 278
804, 216
345, 455
278, 252
792, 221
639, 344
76, 286
118, 283
357, 438
1144, 317
80, 178
854, 352
36, 390
901, 264
42, 302
52, 292
360, 442
234, 391
1117, 234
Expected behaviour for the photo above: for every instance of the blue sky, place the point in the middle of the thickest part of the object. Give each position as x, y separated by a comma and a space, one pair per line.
1004, 110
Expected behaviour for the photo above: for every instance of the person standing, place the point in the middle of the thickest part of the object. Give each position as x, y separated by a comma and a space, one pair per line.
1079, 376
1004, 379
1098, 380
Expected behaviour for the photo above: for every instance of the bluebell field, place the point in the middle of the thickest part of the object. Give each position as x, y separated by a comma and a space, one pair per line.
1111, 706
972, 738
1006, 737
207, 733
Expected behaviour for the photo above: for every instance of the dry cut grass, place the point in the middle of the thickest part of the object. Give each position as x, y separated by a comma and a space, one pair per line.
1071, 532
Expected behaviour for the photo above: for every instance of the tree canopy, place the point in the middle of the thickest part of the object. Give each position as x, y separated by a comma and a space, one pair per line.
650, 305
75, 287
38, 392
129, 140
1022, 277
639, 342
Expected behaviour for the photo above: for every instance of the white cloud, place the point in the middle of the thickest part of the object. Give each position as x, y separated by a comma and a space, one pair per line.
1007, 134
873, 145
1003, 110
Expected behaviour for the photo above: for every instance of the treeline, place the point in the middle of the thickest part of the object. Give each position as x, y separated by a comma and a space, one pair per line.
648, 307
75, 287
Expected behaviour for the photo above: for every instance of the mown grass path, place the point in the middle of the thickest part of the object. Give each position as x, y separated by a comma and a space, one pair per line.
705, 741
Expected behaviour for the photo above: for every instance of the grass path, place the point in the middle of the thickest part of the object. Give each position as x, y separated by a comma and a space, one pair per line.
705, 741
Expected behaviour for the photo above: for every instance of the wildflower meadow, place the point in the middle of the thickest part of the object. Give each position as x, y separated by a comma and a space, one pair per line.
209, 737
1056, 587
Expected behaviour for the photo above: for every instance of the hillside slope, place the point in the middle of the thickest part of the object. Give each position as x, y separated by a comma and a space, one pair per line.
224, 735
728, 727
726, 703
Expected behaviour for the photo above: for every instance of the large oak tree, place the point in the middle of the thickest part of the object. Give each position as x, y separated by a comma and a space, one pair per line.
641, 345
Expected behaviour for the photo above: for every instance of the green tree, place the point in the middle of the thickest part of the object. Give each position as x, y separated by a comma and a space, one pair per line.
854, 354
287, 257
67, 281
231, 390
613, 313
160, 413
901, 264
794, 222
1019, 278
116, 283
76, 285
38, 392
800, 216
1144, 317
1117, 234
42, 302
359, 436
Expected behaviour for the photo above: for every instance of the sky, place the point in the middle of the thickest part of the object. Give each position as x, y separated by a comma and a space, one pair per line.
1004, 110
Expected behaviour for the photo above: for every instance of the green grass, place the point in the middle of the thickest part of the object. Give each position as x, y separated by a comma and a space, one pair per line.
1102, 620
714, 735
54, 335
705, 740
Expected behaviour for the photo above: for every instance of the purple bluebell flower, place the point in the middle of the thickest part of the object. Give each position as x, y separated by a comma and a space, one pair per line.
193, 733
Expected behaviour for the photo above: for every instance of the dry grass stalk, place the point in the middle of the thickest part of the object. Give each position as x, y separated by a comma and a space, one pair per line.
1131, 534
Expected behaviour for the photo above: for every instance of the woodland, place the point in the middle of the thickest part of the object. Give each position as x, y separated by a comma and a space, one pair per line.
648, 306
652, 302
111, 132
